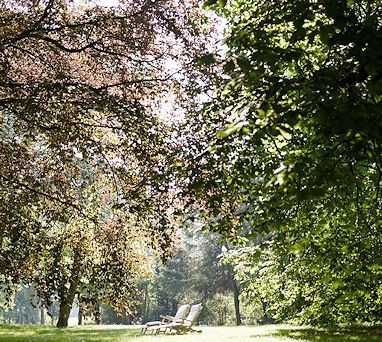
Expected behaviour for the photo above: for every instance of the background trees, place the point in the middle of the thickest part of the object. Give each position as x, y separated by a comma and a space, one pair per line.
195, 274
293, 158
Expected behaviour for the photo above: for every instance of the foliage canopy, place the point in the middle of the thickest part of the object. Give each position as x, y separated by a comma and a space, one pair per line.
290, 157
81, 138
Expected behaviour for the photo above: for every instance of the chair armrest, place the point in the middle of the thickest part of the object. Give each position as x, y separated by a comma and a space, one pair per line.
167, 317
149, 324
179, 320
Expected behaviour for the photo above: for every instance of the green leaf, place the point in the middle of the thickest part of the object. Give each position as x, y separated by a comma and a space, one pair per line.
231, 129
206, 59
229, 66
118, 205
295, 248
337, 283
244, 64
210, 2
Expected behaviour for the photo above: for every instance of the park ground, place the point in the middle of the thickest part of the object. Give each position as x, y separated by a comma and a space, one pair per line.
270, 333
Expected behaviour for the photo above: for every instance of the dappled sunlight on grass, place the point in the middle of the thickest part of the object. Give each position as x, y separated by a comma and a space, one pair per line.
267, 333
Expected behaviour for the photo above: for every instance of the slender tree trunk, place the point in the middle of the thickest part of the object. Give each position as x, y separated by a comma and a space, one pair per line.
79, 317
236, 291
236, 294
264, 307
42, 315
97, 315
145, 302
266, 319
80, 313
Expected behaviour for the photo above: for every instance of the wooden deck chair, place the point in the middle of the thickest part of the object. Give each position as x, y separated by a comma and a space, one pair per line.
184, 325
180, 315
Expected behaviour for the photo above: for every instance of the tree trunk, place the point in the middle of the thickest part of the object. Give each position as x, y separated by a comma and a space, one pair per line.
80, 316
236, 293
145, 302
265, 319
235, 288
80, 311
66, 303
97, 314
264, 307
42, 315
63, 316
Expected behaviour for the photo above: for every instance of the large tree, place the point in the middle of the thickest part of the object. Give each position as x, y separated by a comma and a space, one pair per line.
290, 151
83, 83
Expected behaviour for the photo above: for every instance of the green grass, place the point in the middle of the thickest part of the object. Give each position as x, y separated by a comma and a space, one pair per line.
13, 333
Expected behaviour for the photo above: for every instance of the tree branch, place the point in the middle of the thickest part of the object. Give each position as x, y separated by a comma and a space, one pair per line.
41, 193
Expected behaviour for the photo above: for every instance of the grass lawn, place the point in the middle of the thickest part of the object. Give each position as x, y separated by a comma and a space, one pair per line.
269, 333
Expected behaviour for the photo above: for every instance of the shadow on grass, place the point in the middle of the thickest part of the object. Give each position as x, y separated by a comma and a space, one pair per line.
357, 334
16, 333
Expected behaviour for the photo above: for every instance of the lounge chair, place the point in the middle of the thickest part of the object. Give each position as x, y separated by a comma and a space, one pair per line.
180, 315
181, 326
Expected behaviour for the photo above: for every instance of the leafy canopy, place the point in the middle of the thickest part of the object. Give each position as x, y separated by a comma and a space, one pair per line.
291, 154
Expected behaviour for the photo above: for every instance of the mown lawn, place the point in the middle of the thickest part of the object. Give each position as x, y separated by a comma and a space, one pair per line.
269, 333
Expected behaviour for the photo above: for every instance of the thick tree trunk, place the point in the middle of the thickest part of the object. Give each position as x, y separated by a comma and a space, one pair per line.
66, 303
64, 313
236, 293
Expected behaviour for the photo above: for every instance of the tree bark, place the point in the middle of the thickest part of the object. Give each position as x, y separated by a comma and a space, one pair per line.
264, 307
236, 293
64, 313
42, 315
265, 319
145, 302
97, 314
66, 303
80, 316
80, 311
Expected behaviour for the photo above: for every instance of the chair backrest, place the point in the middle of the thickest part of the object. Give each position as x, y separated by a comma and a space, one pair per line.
193, 315
182, 312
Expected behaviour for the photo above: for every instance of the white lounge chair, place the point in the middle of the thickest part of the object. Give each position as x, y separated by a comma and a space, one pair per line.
180, 315
183, 325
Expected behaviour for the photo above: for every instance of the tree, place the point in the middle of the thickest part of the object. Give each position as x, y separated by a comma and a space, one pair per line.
194, 274
83, 82
22, 310
290, 151
97, 261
